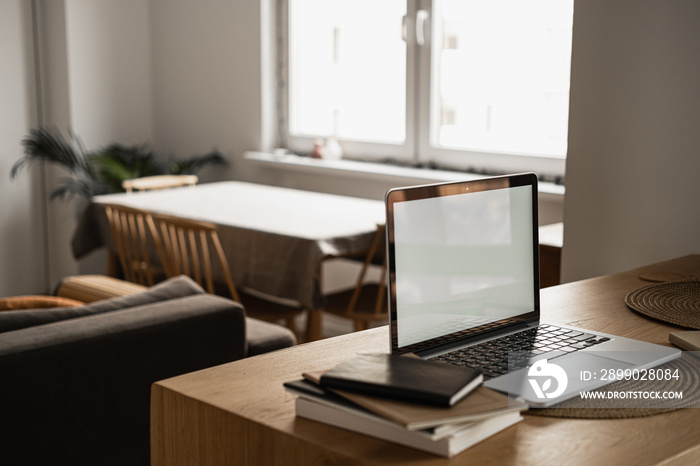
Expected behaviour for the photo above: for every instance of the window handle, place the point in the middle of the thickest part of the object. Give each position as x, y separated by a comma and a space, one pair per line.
421, 19
404, 28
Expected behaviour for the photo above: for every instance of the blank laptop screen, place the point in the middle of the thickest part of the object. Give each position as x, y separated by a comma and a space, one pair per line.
462, 261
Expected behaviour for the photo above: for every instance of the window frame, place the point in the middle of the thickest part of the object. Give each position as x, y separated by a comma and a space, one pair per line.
417, 150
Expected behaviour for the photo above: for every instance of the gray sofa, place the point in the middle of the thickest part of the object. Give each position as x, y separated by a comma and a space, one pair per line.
75, 382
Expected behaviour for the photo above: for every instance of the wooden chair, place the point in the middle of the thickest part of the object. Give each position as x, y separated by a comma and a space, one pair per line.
186, 246
131, 233
366, 302
184, 249
159, 182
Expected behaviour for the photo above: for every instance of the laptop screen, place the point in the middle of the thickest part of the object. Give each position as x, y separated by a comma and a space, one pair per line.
462, 259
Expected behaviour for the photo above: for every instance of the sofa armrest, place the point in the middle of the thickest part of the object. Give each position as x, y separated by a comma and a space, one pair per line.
78, 391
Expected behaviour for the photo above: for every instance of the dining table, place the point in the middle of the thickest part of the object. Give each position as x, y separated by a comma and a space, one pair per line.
276, 239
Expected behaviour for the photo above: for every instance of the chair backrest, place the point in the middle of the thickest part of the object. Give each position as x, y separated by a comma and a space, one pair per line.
159, 182
130, 230
376, 255
185, 250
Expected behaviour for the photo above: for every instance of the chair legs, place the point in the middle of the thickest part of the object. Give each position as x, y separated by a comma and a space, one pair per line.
360, 325
291, 325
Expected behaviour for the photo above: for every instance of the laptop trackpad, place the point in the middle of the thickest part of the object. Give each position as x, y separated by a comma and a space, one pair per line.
548, 382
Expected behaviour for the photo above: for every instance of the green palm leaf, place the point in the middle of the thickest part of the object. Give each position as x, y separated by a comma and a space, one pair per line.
49, 145
192, 165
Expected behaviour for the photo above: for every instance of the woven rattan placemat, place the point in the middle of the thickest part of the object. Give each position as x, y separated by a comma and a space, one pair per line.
688, 383
666, 276
673, 302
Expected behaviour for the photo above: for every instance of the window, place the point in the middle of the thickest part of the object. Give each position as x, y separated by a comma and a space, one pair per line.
339, 88
477, 84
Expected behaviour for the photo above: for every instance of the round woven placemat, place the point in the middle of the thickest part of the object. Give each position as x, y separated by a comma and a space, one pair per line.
666, 276
673, 302
688, 383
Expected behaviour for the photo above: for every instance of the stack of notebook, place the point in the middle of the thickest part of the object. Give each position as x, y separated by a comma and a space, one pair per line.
430, 406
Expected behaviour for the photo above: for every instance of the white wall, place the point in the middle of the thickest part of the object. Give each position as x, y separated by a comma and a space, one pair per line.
207, 81
632, 189
22, 202
109, 71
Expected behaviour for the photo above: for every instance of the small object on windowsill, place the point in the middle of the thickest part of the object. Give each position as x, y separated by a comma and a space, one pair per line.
317, 152
332, 150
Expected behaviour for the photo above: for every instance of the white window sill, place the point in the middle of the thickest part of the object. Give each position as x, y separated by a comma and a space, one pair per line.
369, 170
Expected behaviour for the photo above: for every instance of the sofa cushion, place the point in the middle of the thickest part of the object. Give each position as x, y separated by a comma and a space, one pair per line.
90, 288
263, 337
36, 302
172, 288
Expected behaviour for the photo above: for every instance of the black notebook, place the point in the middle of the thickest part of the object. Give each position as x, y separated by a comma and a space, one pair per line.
403, 378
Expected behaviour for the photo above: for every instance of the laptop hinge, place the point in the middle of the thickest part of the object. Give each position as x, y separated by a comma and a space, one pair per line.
446, 348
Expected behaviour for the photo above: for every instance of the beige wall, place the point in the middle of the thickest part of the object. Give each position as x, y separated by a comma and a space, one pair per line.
632, 189
184, 76
22, 202
109, 70
97, 69
207, 79
93, 67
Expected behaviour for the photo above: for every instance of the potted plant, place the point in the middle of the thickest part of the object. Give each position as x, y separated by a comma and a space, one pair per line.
101, 171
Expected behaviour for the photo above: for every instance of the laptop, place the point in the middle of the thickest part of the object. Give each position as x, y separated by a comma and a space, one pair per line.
463, 281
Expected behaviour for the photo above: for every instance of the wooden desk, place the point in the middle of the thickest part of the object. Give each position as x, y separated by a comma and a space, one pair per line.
239, 413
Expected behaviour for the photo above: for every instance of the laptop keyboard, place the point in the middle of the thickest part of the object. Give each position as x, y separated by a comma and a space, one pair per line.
492, 357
